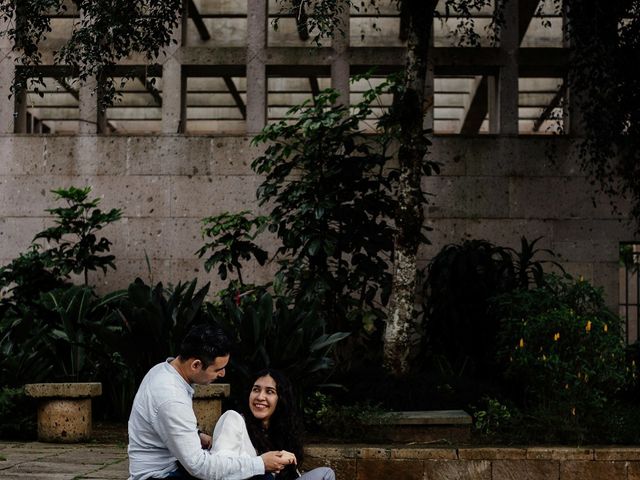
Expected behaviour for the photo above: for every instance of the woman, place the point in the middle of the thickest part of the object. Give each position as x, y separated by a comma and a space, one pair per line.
270, 422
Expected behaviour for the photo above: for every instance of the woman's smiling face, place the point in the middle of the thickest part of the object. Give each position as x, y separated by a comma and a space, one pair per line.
263, 399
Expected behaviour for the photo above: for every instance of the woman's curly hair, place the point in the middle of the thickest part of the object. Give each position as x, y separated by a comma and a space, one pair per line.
285, 425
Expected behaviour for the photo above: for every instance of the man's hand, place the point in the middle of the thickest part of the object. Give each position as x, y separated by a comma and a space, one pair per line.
276, 461
205, 440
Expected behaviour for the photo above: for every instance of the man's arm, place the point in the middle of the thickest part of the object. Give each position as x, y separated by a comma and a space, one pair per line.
176, 425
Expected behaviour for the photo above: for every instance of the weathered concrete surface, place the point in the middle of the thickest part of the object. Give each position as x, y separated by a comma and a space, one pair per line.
63, 390
62, 462
352, 462
497, 188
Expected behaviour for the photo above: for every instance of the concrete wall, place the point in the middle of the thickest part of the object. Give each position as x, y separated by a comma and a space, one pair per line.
496, 188
353, 462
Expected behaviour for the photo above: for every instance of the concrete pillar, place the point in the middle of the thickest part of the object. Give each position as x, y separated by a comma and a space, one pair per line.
340, 60
174, 91
508, 73
88, 106
174, 84
20, 112
7, 73
573, 114
174, 112
493, 104
256, 67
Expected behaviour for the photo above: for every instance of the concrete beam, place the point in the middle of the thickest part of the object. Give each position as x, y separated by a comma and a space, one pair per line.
553, 104
233, 90
194, 14
476, 110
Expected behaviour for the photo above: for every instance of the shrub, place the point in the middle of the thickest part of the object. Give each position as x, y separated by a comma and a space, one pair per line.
490, 416
332, 195
562, 350
77, 248
460, 327
17, 414
323, 415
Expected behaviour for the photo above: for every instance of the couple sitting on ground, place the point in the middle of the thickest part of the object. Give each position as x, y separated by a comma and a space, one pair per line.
164, 442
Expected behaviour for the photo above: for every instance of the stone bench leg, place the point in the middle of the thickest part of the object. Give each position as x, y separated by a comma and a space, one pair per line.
64, 420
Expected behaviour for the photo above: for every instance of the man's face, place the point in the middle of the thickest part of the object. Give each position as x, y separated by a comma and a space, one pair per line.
204, 376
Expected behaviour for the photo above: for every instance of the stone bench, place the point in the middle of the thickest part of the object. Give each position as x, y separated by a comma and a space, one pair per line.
64, 410
207, 404
424, 426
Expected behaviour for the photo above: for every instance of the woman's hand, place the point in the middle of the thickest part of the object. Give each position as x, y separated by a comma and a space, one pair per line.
289, 458
205, 440
276, 461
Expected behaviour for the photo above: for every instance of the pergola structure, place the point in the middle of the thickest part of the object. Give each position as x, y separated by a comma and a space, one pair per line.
231, 73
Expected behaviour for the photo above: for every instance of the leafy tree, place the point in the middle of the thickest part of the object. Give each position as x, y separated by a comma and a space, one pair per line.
333, 195
408, 112
605, 94
605, 91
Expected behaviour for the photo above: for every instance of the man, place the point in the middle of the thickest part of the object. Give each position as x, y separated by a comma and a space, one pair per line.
163, 438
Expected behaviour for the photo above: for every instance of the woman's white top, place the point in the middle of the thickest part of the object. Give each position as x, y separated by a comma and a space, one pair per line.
231, 438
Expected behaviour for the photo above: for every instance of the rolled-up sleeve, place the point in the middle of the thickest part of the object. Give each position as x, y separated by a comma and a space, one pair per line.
177, 426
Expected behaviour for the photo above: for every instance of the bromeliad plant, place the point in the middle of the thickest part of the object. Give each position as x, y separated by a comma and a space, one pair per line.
80, 320
148, 322
269, 332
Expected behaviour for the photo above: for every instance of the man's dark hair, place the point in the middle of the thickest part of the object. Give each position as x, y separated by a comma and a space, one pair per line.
205, 342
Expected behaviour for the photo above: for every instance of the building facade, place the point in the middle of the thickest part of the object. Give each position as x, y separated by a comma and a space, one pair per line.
176, 147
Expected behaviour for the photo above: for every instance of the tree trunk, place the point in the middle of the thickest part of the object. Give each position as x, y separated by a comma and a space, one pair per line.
410, 215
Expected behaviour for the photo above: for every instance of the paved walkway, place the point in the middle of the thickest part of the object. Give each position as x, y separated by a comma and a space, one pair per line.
34, 460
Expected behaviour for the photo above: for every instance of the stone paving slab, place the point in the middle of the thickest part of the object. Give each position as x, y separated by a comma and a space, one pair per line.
63, 462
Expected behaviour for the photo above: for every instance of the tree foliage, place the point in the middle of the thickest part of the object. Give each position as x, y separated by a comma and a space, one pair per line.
605, 38
106, 33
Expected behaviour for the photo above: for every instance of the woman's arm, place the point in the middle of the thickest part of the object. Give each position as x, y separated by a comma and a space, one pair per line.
230, 436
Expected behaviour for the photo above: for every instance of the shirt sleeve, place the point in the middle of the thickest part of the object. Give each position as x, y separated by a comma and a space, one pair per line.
177, 426
229, 436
